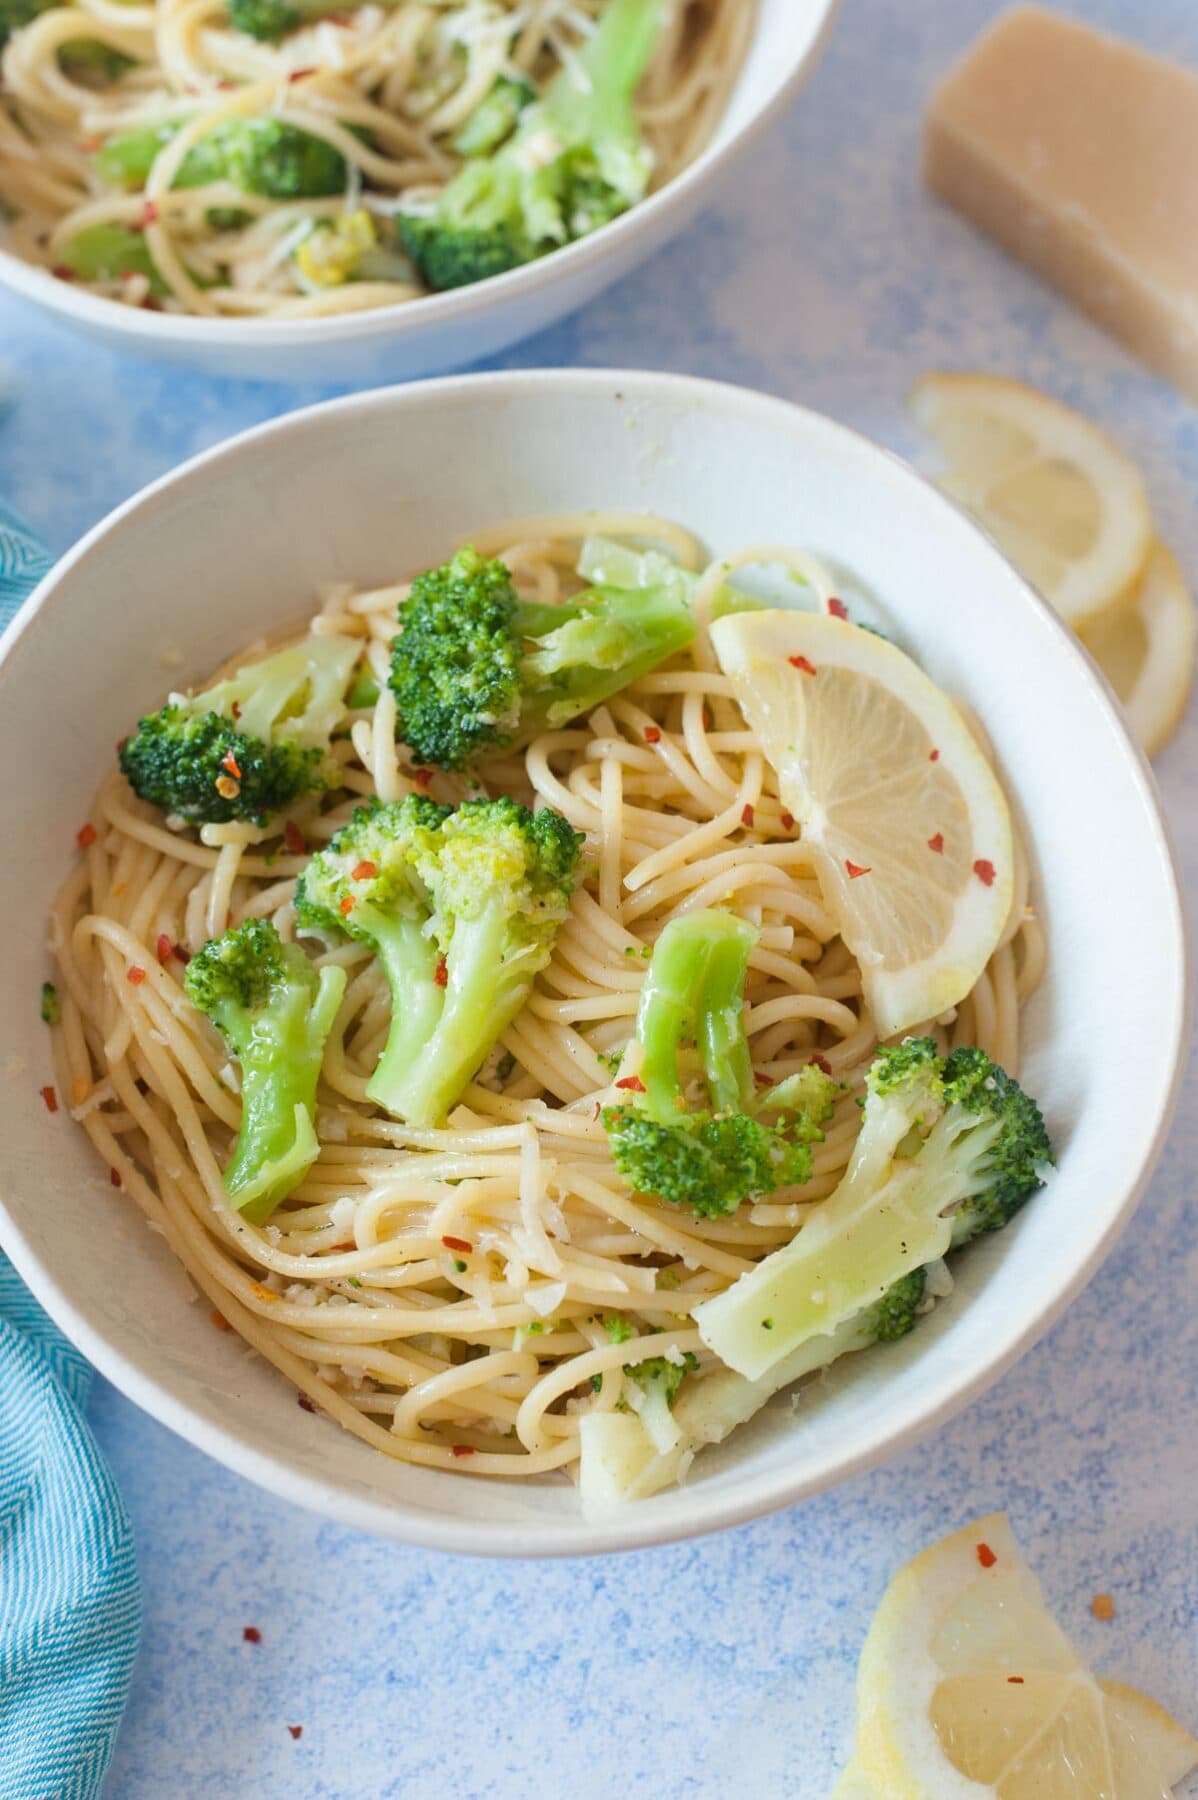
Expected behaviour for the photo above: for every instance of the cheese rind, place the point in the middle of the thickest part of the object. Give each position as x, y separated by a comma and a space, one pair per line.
1078, 154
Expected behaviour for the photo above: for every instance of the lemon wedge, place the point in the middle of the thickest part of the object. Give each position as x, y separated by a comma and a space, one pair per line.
1065, 504
1145, 648
969, 1688
906, 823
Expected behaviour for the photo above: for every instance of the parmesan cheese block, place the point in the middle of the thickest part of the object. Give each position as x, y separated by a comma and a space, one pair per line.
1079, 154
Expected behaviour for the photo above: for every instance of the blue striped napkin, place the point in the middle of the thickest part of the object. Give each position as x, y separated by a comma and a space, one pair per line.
70, 1604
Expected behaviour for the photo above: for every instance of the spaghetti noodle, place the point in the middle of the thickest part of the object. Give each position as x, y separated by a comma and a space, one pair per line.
447, 1294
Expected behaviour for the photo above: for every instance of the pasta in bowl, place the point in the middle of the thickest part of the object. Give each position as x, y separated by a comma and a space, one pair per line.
269, 163
477, 983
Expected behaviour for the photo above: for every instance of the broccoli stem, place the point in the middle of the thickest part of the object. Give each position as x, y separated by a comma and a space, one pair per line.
110, 253
482, 994
280, 1057
695, 985
409, 962
723, 1043
593, 648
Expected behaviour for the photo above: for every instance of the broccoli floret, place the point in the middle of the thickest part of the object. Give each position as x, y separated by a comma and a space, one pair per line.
575, 159
259, 155
275, 1010
494, 118
948, 1149
16, 13
650, 1389
709, 1158
894, 1315
250, 746
991, 1141
270, 20
461, 909
475, 668
710, 1165
51, 1004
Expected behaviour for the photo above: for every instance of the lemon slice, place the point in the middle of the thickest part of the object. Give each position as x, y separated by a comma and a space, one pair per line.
907, 825
1064, 502
1145, 648
969, 1688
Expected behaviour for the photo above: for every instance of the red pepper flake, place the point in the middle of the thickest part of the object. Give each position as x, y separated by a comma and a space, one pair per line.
294, 838
135, 975
937, 843
1015, 1680
149, 213
347, 905
441, 973
222, 1324
935, 756
50, 1096
456, 1243
60, 272
365, 871
1102, 1606
92, 144
632, 1084
308, 1405
762, 1080
747, 816
150, 304
297, 1731
114, 1175
85, 837
180, 954
461, 1450
837, 608
163, 947
236, 710
300, 74
229, 761
788, 821
986, 1556
984, 871
801, 663
252, 1635
856, 870
821, 1062
422, 777
652, 734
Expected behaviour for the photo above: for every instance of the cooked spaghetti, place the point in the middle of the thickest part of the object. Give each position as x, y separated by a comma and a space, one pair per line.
463, 1296
282, 158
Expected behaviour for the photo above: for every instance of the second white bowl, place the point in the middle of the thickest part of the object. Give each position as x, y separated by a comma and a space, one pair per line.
446, 330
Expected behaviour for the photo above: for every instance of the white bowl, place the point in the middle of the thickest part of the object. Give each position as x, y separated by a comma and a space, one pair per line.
446, 330
368, 488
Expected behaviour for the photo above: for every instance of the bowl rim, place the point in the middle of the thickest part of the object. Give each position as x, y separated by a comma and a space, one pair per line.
635, 1527
407, 318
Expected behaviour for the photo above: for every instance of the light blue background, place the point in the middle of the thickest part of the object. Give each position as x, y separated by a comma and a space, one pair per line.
724, 1666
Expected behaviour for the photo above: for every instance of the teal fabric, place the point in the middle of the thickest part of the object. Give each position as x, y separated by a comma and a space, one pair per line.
23, 562
70, 1604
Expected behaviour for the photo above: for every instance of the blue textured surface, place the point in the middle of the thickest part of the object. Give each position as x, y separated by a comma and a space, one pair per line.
726, 1666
